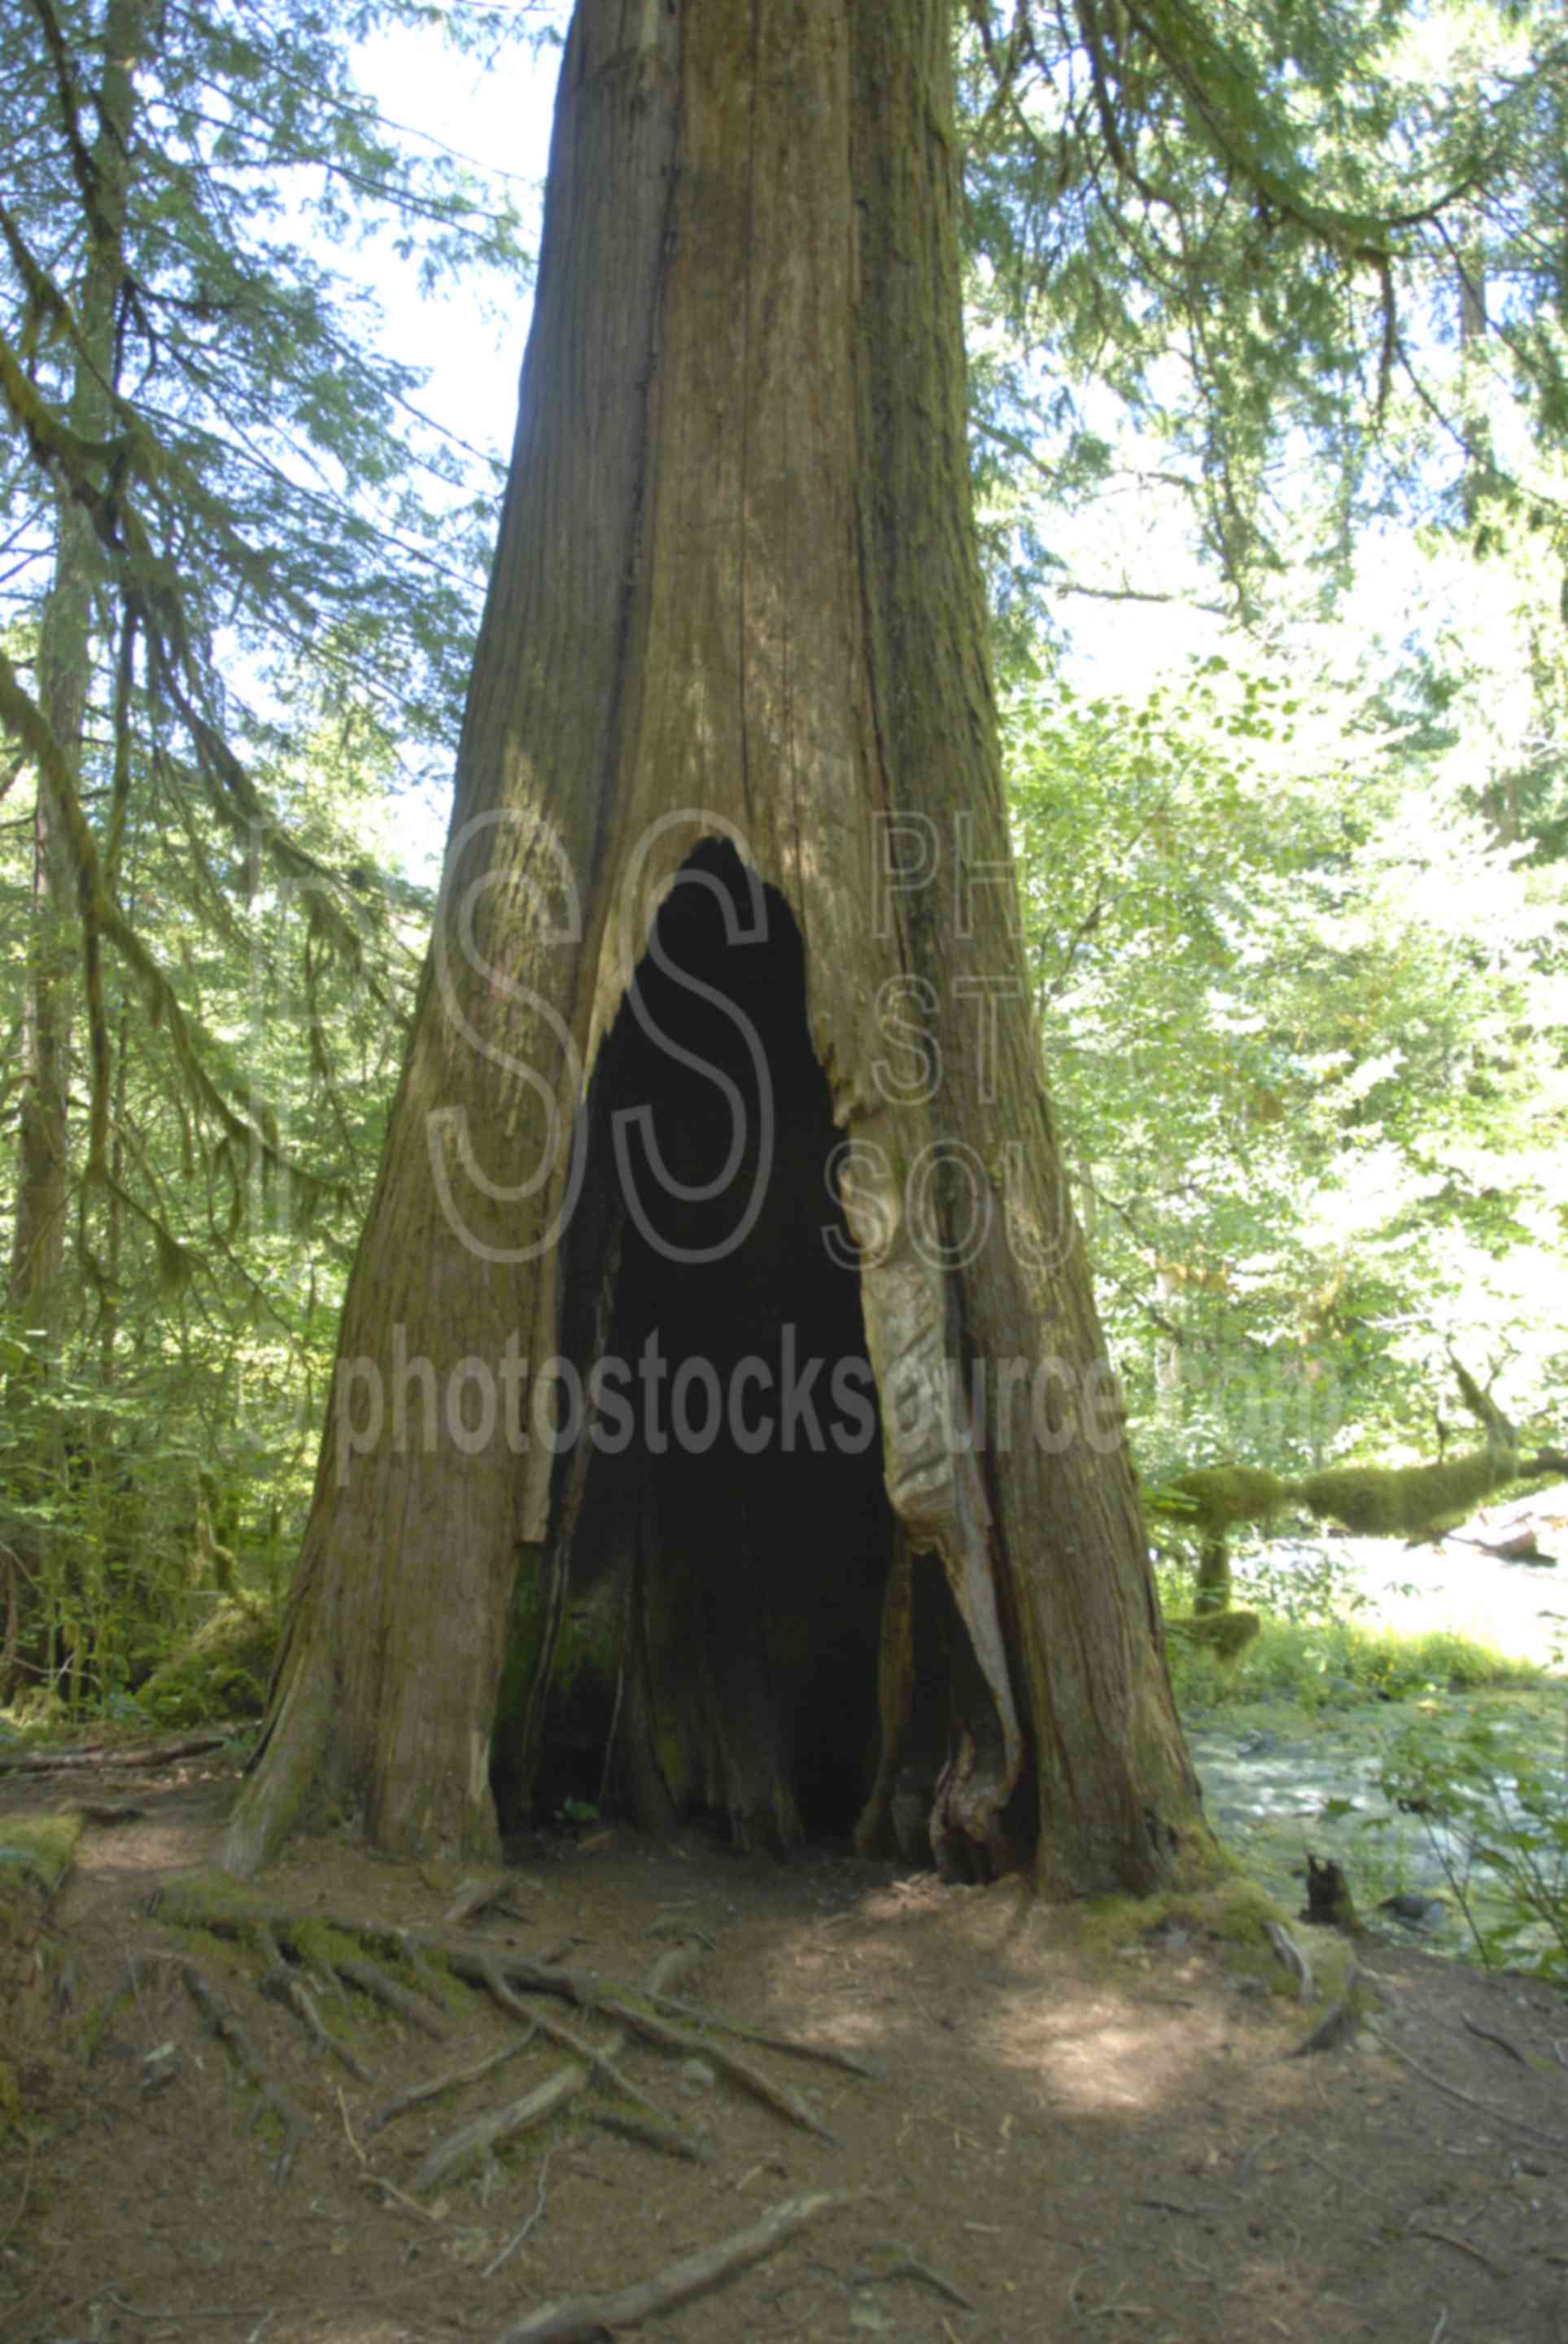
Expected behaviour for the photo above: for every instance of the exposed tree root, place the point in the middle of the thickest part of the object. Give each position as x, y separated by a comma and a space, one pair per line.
794, 2047
290, 1939
283, 1987
293, 1945
601, 2063
418, 2094
387, 1991
1537, 2133
668, 2139
477, 1896
691, 2045
481, 2136
586, 2317
233, 2036
225, 2025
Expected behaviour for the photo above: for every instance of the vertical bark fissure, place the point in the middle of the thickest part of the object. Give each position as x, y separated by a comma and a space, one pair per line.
743, 660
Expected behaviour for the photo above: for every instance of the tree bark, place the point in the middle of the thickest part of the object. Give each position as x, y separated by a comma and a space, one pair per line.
733, 669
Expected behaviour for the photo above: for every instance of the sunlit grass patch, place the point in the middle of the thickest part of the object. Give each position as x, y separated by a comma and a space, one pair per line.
1322, 1664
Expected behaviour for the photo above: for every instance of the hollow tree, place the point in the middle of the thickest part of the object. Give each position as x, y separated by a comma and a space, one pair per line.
720, 1395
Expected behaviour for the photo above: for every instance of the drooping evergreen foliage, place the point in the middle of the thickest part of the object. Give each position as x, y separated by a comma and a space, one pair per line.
1314, 256
242, 581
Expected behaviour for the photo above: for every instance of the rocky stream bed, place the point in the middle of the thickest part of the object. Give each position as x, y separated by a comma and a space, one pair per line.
1281, 1779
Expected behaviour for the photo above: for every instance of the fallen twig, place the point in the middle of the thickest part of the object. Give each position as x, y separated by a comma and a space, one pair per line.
359, 2156
1447, 2238
165, 1754
14, 2223
585, 2316
1468, 2100
510, 2248
904, 2265
398, 2196
1502, 2041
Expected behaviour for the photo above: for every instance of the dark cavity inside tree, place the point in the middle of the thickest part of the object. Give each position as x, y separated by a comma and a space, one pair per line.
733, 1540
733, 665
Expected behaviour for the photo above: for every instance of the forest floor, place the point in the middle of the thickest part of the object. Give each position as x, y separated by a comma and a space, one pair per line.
1074, 2124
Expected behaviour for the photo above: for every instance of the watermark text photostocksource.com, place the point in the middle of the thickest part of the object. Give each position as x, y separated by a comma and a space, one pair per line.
793, 1402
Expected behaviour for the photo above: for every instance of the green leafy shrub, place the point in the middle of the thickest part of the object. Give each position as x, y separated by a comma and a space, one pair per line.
1494, 1805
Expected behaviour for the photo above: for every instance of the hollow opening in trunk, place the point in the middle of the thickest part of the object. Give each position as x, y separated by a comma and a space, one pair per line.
723, 1547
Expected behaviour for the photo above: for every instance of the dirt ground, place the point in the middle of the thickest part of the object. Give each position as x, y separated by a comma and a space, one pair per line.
1063, 2135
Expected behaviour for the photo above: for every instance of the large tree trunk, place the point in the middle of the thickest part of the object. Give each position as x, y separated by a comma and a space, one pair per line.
734, 665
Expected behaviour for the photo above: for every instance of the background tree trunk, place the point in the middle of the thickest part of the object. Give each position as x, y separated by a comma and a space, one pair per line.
36, 1281
734, 665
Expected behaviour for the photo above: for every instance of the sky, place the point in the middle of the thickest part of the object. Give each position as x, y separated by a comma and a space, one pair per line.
501, 118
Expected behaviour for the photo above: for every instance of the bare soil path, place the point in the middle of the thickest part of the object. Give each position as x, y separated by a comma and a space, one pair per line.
1071, 2131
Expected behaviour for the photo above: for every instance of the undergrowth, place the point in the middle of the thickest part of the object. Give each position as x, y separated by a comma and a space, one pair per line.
1492, 1800
1313, 1664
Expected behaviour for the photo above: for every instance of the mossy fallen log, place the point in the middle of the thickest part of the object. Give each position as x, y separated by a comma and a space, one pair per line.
1213, 1499
1403, 1501
1411, 1501
1373, 1501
